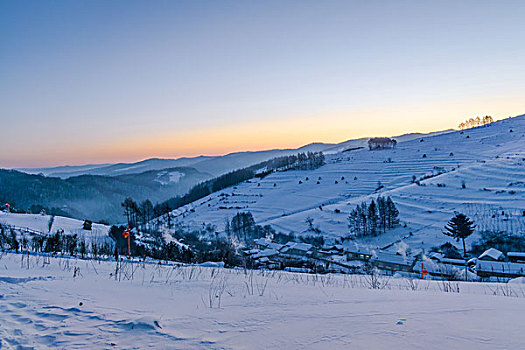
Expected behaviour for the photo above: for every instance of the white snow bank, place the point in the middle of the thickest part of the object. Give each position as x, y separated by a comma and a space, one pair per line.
149, 306
518, 280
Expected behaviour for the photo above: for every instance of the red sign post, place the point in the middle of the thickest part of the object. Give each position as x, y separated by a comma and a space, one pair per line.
423, 271
126, 235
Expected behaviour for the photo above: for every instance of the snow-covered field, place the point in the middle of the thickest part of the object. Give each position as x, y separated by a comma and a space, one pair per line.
40, 224
77, 304
489, 161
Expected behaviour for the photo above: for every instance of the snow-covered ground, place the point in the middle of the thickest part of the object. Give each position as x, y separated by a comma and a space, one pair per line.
77, 304
40, 224
489, 161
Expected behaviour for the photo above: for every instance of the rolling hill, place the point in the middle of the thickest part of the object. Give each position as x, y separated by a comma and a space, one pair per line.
480, 171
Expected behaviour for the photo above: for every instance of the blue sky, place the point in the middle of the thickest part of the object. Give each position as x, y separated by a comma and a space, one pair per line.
99, 81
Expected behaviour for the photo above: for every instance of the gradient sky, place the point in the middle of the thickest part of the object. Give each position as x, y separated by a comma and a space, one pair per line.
105, 81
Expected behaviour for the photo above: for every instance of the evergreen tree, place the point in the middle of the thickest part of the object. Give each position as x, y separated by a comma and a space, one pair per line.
382, 211
460, 227
367, 220
392, 213
363, 209
354, 222
146, 211
372, 218
168, 213
243, 225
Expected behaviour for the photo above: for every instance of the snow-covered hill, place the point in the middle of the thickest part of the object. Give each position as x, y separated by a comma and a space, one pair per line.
45, 224
489, 162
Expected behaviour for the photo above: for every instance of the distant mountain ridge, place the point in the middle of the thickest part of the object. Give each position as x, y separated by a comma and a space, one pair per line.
95, 191
214, 165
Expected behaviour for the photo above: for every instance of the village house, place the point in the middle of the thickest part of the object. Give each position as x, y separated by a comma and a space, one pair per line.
262, 243
492, 254
300, 249
392, 262
489, 268
358, 253
440, 258
518, 257
492, 264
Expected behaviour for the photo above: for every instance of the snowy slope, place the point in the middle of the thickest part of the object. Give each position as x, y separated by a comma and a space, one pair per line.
40, 223
489, 160
77, 304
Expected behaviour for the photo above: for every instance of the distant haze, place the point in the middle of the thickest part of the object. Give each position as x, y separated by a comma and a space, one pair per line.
121, 81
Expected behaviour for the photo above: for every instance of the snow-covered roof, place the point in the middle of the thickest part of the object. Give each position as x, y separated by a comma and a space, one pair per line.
276, 246
262, 241
516, 254
333, 247
453, 261
436, 256
492, 253
266, 253
356, 249
391, 258
500, 267
299, 246
251, 251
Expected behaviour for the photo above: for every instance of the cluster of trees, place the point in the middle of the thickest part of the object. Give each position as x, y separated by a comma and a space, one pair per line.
56, 243
374, 218
301, 161
8, 239
473, 122
192, 246
243, 227
381, 143
138, 214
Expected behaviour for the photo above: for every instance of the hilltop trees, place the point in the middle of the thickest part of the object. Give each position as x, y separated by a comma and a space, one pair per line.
370, 220
473, 122
460, 227
381, 143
